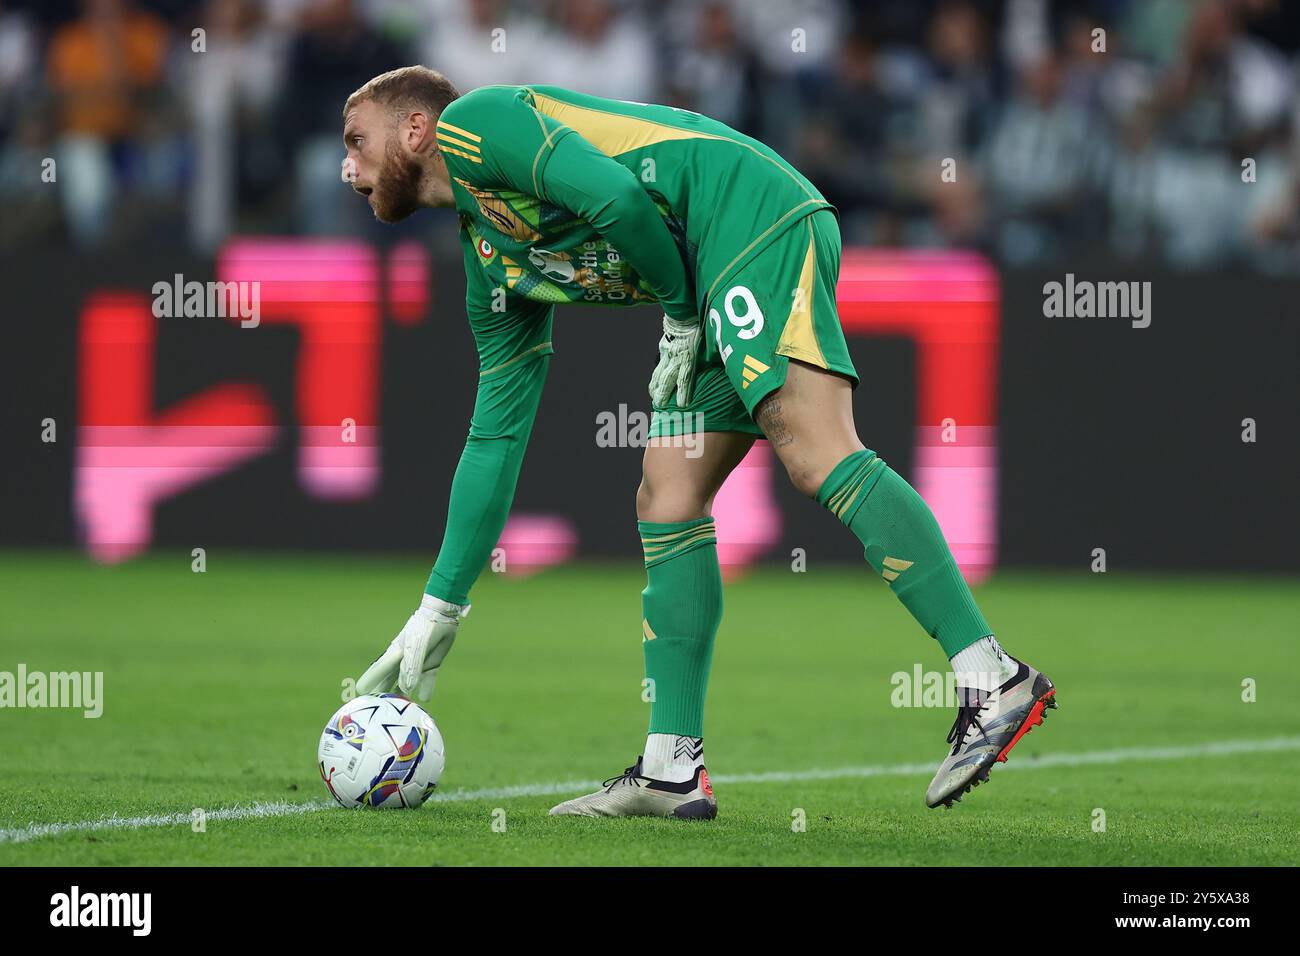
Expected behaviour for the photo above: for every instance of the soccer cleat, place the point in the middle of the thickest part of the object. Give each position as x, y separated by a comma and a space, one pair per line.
632, 794
986, 729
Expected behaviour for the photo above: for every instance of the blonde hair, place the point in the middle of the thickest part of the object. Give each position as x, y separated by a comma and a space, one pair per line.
407, 90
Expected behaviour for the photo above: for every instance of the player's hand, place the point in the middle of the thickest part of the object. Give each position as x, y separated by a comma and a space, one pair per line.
676, 368
410, 664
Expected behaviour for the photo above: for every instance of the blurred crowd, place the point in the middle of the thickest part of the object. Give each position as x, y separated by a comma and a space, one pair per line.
1030, 129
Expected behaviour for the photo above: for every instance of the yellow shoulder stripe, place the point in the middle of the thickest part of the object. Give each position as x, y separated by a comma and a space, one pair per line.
449, 139
442, 124
460, 152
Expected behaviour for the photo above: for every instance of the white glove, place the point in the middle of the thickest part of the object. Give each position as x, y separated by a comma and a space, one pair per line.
410, 664
676, 368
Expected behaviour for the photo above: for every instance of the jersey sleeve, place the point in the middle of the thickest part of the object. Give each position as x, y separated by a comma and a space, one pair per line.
493, 138
514, 347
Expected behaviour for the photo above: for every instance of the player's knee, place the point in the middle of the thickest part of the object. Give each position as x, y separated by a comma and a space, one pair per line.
807, 477
657, 503
810, 464
644, 501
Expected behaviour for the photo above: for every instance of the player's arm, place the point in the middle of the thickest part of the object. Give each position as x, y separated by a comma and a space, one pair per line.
514, 355
581, 178
494, 139
514, 347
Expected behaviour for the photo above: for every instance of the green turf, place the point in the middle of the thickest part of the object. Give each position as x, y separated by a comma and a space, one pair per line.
217, 685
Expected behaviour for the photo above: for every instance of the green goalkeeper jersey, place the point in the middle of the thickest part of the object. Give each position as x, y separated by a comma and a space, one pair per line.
565, 197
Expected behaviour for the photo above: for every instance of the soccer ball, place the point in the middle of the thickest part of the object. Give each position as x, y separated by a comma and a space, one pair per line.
380, 750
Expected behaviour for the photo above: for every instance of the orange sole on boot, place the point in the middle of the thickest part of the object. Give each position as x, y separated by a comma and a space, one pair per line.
1034, 719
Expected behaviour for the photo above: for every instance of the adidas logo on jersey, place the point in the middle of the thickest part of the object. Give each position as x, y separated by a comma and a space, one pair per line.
753, 369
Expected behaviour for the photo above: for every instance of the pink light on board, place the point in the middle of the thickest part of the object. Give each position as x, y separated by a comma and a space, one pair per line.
339, 462
958, 479
408, 282
745, 512
122, 472
128, 457
330, 291
948, 304
531, 542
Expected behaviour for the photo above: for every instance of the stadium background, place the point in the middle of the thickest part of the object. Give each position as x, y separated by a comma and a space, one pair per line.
1071, 434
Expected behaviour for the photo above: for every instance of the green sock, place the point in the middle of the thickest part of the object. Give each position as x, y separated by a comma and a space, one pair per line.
904, 545
682, 608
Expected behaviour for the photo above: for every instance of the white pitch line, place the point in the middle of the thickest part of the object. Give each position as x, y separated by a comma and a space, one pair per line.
250, 812
256, 811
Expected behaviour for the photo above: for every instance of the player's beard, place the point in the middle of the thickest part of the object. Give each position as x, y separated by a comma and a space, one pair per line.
397, 190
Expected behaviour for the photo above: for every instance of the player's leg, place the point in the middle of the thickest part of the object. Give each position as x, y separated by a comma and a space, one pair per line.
682, 600
680, 483
796, 376
682, 470
809, 421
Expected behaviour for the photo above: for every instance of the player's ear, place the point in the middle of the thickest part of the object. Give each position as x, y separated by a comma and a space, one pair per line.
418, 132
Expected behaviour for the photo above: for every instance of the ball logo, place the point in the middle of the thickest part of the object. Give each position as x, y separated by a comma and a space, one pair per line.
347, 730
328, 778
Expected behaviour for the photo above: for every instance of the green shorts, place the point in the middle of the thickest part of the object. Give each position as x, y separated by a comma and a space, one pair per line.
779, 306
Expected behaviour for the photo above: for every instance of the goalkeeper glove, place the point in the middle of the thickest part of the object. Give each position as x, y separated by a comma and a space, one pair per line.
410, 664
676, 368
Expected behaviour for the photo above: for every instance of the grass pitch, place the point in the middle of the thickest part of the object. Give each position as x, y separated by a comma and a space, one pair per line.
216, 686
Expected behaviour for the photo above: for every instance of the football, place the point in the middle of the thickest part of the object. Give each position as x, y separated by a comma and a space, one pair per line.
380, 750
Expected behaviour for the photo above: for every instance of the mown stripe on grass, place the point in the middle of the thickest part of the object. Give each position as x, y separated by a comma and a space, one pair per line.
256, 811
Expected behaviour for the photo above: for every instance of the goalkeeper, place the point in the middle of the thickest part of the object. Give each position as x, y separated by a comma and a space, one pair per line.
564, 197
